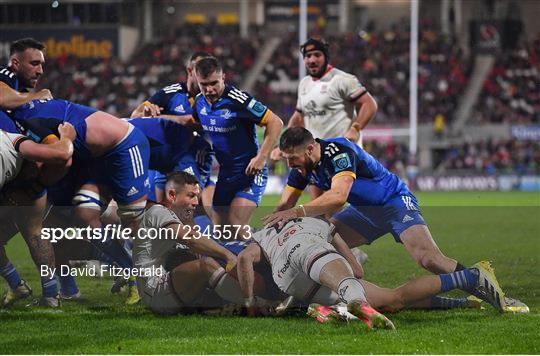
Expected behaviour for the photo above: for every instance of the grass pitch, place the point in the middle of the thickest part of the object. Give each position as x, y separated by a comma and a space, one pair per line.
501, 227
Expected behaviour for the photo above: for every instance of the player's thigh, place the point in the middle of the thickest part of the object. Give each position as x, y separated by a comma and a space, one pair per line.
189, 280
352, 228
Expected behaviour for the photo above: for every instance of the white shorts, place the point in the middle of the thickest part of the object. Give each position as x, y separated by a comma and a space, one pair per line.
158, 294
291, 269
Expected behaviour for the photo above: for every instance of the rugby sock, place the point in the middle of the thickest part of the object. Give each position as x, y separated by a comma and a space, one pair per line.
464, 279
68, 285
48, 286
10, 275
351, 289
226, 286
448, 303
459, 267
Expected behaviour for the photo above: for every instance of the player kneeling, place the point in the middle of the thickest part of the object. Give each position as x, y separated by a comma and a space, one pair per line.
312, 263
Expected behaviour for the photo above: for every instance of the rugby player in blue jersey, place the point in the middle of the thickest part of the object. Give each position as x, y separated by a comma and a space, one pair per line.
229, 116
174, 102
379, 201
17, 79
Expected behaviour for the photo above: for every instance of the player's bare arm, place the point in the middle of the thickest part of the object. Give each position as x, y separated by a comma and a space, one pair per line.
58, 152
11, 99
246, 274
273, 128
342, 247
288, 199
366, 108
328, 203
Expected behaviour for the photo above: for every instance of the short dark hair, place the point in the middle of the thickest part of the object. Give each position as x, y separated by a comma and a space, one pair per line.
182, 178
199, 54
208, 65
23, 44
295, 137
313, 44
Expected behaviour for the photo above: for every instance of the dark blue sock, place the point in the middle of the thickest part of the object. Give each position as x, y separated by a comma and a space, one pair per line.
10, 275
68, 285
448, 303
464, 279
48, 286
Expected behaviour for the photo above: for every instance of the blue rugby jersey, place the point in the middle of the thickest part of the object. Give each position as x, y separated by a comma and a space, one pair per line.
230, 124
174, 99
39, 119
373, 184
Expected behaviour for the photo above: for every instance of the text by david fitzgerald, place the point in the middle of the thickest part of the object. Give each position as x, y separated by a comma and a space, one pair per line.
102, 270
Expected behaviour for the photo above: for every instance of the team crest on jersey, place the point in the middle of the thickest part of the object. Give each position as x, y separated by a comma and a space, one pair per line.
226, 114
256, 108
341, 162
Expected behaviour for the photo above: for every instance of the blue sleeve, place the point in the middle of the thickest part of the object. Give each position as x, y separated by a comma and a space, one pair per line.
163, 97
339, 159
7, 124
248, 107
9, 78
297, 180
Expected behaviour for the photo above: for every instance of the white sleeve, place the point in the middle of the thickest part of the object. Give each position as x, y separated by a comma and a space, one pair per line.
160, 217
350, 88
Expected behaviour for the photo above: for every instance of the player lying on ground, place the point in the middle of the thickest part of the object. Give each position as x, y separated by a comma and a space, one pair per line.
312, 263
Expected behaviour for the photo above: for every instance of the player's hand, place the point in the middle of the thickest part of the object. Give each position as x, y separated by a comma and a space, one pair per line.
67, 131
280, 217
276, 155
255, 166
150, 110
43, 94
231, 263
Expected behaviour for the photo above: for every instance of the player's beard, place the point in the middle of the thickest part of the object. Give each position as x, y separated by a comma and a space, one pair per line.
309, 165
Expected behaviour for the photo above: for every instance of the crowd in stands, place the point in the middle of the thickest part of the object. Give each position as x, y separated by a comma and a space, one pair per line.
495, 157
512, 91
118, 87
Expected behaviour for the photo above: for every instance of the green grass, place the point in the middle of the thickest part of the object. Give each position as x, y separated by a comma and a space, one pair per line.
501, 227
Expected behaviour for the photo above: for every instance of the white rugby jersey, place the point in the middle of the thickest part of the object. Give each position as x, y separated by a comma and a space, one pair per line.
327, 104
10, 159
276, 243
149, 252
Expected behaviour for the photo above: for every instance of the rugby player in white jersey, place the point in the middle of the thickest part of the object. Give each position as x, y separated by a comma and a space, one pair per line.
168, 292
311, 262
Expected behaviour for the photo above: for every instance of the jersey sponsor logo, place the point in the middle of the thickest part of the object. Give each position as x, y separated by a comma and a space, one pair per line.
238, 95
203, 111
341, 162
291, 231
172, 88
331, 149
310, 110
256, 108
287, 264
180, 108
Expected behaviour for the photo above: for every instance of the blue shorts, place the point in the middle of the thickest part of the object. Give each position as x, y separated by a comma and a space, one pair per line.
124, 169
394, 217
239, 186
234, 246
